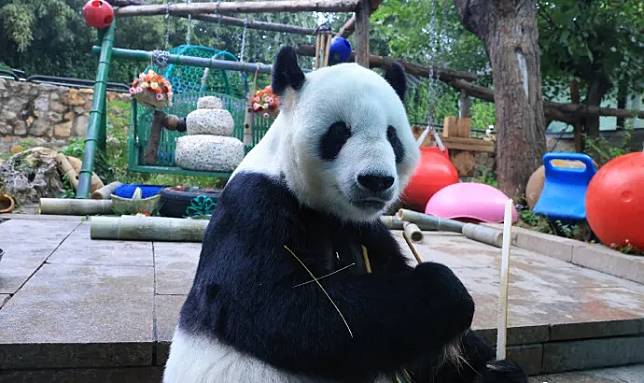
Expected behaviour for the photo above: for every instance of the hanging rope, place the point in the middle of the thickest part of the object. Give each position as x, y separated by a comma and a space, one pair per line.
323, 38
243, 42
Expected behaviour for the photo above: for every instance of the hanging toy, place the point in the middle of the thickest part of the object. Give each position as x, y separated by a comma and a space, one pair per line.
265, 101
98, 14
152, 89
340, 50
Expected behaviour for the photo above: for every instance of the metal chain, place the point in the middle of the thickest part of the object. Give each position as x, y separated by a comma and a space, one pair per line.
243, 42
189, 29
167, 24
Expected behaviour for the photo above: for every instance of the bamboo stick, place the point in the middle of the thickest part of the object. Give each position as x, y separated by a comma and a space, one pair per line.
394, 223
239, 7
412, 247
106, 191
502, 318
62, 206
413, 232
141, 228
479, 233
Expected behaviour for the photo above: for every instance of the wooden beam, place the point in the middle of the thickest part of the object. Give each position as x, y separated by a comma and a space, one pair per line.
349, 27
252, 24
556, 110
240, 7
362, 33
375, 61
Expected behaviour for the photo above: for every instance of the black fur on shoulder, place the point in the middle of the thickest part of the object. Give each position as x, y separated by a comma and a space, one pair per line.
245, 293
395, 76
286, 71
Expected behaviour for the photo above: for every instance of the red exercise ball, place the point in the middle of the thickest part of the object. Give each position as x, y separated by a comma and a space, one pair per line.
98, 14
615, 201
434, 172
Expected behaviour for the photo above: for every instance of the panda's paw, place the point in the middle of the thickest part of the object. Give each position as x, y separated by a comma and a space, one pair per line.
446, 291
502, 371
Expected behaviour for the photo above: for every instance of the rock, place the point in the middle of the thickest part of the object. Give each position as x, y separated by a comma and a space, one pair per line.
63, 130
74, 98
209, 153
9, 115
19, 128
41, 105
56, 106
5, 129
54, 117
218, 122
210, 102
80, 125
39, 128
3, 84
15, 149
30, 175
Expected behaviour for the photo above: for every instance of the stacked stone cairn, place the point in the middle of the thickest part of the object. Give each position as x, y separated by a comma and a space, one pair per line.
208, 145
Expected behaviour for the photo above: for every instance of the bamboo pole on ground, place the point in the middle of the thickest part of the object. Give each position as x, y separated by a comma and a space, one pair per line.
239, 7
106, 191
65, 206
141, 228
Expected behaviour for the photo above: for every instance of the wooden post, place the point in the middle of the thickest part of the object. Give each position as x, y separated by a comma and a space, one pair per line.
362, 33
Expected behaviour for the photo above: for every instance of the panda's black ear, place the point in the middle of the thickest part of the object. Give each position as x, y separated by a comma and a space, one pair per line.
286, 72
395, 76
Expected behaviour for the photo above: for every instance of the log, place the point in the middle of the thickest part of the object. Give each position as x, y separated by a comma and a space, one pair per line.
63, 206
375, 61
252, 24
150, 154
239, 7
67, 169
362, 34
350, 25
106, 191
141, 228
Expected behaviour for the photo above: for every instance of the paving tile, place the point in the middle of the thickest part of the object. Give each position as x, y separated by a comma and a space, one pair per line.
592, 353
80, 249
3, 299
175, 266
92, 310
102, 375
628, 374
601, 258
27, 244
44, 217
167, 313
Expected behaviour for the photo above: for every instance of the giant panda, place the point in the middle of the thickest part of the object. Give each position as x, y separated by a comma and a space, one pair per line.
306, 201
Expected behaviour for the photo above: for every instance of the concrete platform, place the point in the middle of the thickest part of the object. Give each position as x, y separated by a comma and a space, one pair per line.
77, 310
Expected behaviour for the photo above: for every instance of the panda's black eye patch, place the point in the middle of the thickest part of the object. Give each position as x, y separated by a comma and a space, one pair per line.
333, 140
395, 143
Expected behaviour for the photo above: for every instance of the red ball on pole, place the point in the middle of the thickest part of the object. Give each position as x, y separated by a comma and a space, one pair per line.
98, 14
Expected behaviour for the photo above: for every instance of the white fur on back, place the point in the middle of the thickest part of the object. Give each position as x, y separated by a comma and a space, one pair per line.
198, 359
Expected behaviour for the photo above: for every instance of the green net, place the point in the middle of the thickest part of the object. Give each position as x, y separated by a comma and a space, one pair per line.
183, 104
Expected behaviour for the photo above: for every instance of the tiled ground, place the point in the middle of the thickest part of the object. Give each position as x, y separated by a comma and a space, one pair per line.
74, 309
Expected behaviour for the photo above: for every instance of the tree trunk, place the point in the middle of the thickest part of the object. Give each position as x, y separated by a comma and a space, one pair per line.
597, 88
577, 125
508, 28
622, 100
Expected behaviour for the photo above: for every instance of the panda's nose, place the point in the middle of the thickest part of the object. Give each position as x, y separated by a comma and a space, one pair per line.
375, 182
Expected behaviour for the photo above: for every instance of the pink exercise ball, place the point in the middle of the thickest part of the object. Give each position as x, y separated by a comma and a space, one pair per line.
471, 201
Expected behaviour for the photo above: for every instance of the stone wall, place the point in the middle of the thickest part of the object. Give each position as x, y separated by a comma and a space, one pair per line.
46, 113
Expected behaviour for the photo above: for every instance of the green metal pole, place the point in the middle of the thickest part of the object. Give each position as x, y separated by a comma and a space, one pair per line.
96, 116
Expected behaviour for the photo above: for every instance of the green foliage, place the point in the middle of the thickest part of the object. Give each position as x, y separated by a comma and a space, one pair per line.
602, 150
485, 175
592, 41
483, 114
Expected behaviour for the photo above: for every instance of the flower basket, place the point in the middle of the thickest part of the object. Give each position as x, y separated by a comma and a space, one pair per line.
264, 102
152, 89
